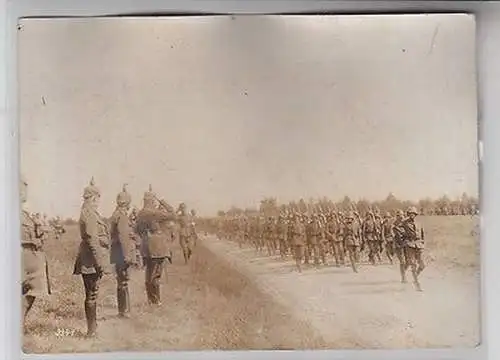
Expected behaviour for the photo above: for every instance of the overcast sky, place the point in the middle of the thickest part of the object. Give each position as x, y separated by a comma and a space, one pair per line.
216, 112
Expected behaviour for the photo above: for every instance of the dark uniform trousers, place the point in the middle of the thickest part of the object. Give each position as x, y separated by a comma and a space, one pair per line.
154, 271
157, 252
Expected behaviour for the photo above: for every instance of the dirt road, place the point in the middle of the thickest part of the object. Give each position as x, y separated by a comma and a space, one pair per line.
371, 309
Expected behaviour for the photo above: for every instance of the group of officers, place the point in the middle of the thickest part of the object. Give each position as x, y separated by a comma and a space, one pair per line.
343, 235
110, 245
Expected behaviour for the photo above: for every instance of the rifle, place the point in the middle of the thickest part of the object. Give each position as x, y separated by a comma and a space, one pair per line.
47, 277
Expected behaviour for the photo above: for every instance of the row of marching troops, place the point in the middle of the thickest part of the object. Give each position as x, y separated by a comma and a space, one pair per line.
109, 246
343, 235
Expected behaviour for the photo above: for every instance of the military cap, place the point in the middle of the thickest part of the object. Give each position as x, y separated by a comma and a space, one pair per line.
91, 190
123, 198
412, 210
400, 213
387, 214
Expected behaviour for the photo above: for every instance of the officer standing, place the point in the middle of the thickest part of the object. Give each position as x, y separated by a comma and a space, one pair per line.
122, 250
155, 244
92, 261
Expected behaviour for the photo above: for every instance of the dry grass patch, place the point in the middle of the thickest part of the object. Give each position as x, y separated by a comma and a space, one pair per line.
206, 305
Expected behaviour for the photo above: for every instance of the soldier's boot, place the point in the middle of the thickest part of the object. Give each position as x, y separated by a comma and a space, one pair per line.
123, 298
157, 294
370, 258
299, 265
316, 257
190, 253
416, 283
149, 293
91, 316
307, 255
389, 256
402, 271
353, 263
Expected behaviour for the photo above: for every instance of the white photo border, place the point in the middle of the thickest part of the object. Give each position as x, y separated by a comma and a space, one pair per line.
488, 66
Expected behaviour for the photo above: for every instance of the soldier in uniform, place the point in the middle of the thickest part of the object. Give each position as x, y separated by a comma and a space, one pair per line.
184, 235
350, 233
399, 245
269, 234
388, 236
414, 243
314, 236
335, 241
92, 261
282, 232
380, 242
298, 242
122, 250
370, 233
192, 228
33, 257
155, 244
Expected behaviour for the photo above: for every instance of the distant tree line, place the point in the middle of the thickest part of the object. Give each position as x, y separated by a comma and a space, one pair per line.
443, 206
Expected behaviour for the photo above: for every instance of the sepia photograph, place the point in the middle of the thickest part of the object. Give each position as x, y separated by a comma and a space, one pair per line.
253, 182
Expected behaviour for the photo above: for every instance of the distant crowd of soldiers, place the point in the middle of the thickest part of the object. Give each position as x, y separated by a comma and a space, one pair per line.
53, 226
130, 238
343, 236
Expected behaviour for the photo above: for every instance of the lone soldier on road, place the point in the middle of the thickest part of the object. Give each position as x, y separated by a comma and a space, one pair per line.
122, 250
33, 256
414, 241
92, 261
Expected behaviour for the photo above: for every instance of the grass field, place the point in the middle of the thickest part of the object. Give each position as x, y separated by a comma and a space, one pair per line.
452, 241
206, 304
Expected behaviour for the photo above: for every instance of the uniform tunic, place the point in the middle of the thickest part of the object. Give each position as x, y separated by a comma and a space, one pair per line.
93, 254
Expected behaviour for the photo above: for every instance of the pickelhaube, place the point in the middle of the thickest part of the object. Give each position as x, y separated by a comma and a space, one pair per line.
91, 190
123, 198
149, 197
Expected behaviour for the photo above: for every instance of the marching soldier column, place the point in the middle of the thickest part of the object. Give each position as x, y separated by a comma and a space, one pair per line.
320, 232
144, 238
